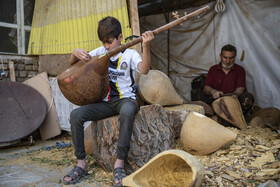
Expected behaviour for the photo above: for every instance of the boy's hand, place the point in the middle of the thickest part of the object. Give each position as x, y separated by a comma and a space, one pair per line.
81, 54
147, 37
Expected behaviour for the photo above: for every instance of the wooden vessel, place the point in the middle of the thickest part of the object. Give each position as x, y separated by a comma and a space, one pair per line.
156, 88
270, 115
84, 83
229, 109
168, 168
202, 135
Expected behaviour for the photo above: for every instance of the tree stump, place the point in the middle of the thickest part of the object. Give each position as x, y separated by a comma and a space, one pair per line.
177, 115
152, 134
155, 130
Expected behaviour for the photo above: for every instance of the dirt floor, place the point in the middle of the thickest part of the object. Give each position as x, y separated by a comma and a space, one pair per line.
251, 160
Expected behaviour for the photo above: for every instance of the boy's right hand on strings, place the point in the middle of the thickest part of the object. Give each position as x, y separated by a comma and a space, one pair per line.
81, 54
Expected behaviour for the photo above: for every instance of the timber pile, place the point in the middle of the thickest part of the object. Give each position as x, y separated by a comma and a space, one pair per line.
153, 132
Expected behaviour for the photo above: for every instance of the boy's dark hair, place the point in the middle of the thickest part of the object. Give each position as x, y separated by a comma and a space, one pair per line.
230, 48
109, 27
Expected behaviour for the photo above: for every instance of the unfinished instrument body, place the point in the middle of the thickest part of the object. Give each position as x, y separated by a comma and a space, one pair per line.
201, 135
156, 88
88, 82
78, 83
228, 108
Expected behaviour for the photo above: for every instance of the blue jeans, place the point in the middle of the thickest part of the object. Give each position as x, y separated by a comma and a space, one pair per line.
127, 109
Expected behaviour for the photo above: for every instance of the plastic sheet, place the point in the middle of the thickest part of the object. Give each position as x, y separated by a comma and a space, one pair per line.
252, 26
63, 106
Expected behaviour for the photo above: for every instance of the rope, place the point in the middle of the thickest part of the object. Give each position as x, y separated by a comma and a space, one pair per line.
220, 6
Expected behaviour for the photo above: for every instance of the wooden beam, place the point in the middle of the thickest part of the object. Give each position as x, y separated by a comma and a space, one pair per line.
12, 71
135, 28
134, 21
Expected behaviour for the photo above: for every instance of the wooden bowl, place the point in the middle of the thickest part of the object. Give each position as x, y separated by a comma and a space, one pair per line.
169, 168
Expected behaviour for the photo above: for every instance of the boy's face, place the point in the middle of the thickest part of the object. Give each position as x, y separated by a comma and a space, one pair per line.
112, 43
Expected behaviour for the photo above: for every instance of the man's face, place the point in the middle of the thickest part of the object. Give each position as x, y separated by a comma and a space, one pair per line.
227, 59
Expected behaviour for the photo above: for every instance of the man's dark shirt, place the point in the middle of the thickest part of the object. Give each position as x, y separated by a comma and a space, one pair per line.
227, 83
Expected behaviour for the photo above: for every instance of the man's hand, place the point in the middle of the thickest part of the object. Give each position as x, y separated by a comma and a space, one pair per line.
216, 94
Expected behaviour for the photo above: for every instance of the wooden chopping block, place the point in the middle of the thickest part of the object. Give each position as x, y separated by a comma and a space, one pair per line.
178, 114
208, 110
152, 134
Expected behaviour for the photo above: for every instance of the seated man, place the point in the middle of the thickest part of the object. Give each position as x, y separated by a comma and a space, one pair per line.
228, 78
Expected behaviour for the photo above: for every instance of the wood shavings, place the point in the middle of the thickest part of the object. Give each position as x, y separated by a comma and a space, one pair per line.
227, 177
247, 161
253, 158
233, 174
261, 147
274, 165
265, 158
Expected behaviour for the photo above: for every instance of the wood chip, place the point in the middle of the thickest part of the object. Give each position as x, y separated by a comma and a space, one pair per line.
264, 172
261, 147
273, 165
225, 176
208, 173
265, 158
236, 147
276, 147
247, 174
219, 181
233, 174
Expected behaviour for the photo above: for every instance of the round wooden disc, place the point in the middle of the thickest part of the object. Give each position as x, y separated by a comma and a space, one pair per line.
22, 110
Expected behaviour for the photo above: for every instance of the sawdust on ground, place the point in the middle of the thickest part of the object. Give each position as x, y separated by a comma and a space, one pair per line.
253, 158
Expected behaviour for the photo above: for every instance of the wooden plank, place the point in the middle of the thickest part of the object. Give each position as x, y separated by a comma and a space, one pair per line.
134, 21
135, 27
50, 127
12, 71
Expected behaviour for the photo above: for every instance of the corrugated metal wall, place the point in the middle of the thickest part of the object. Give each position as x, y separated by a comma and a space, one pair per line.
59, 26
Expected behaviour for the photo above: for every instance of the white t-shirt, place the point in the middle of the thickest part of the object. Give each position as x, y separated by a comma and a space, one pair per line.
121, 73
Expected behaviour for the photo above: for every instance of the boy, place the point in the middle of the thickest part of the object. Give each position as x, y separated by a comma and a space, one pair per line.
121, 98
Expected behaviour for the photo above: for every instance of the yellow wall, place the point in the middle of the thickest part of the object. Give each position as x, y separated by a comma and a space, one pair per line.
59, 26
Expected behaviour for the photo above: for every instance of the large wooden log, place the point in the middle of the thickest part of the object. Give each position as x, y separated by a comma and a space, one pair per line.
177, 115
152, 134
